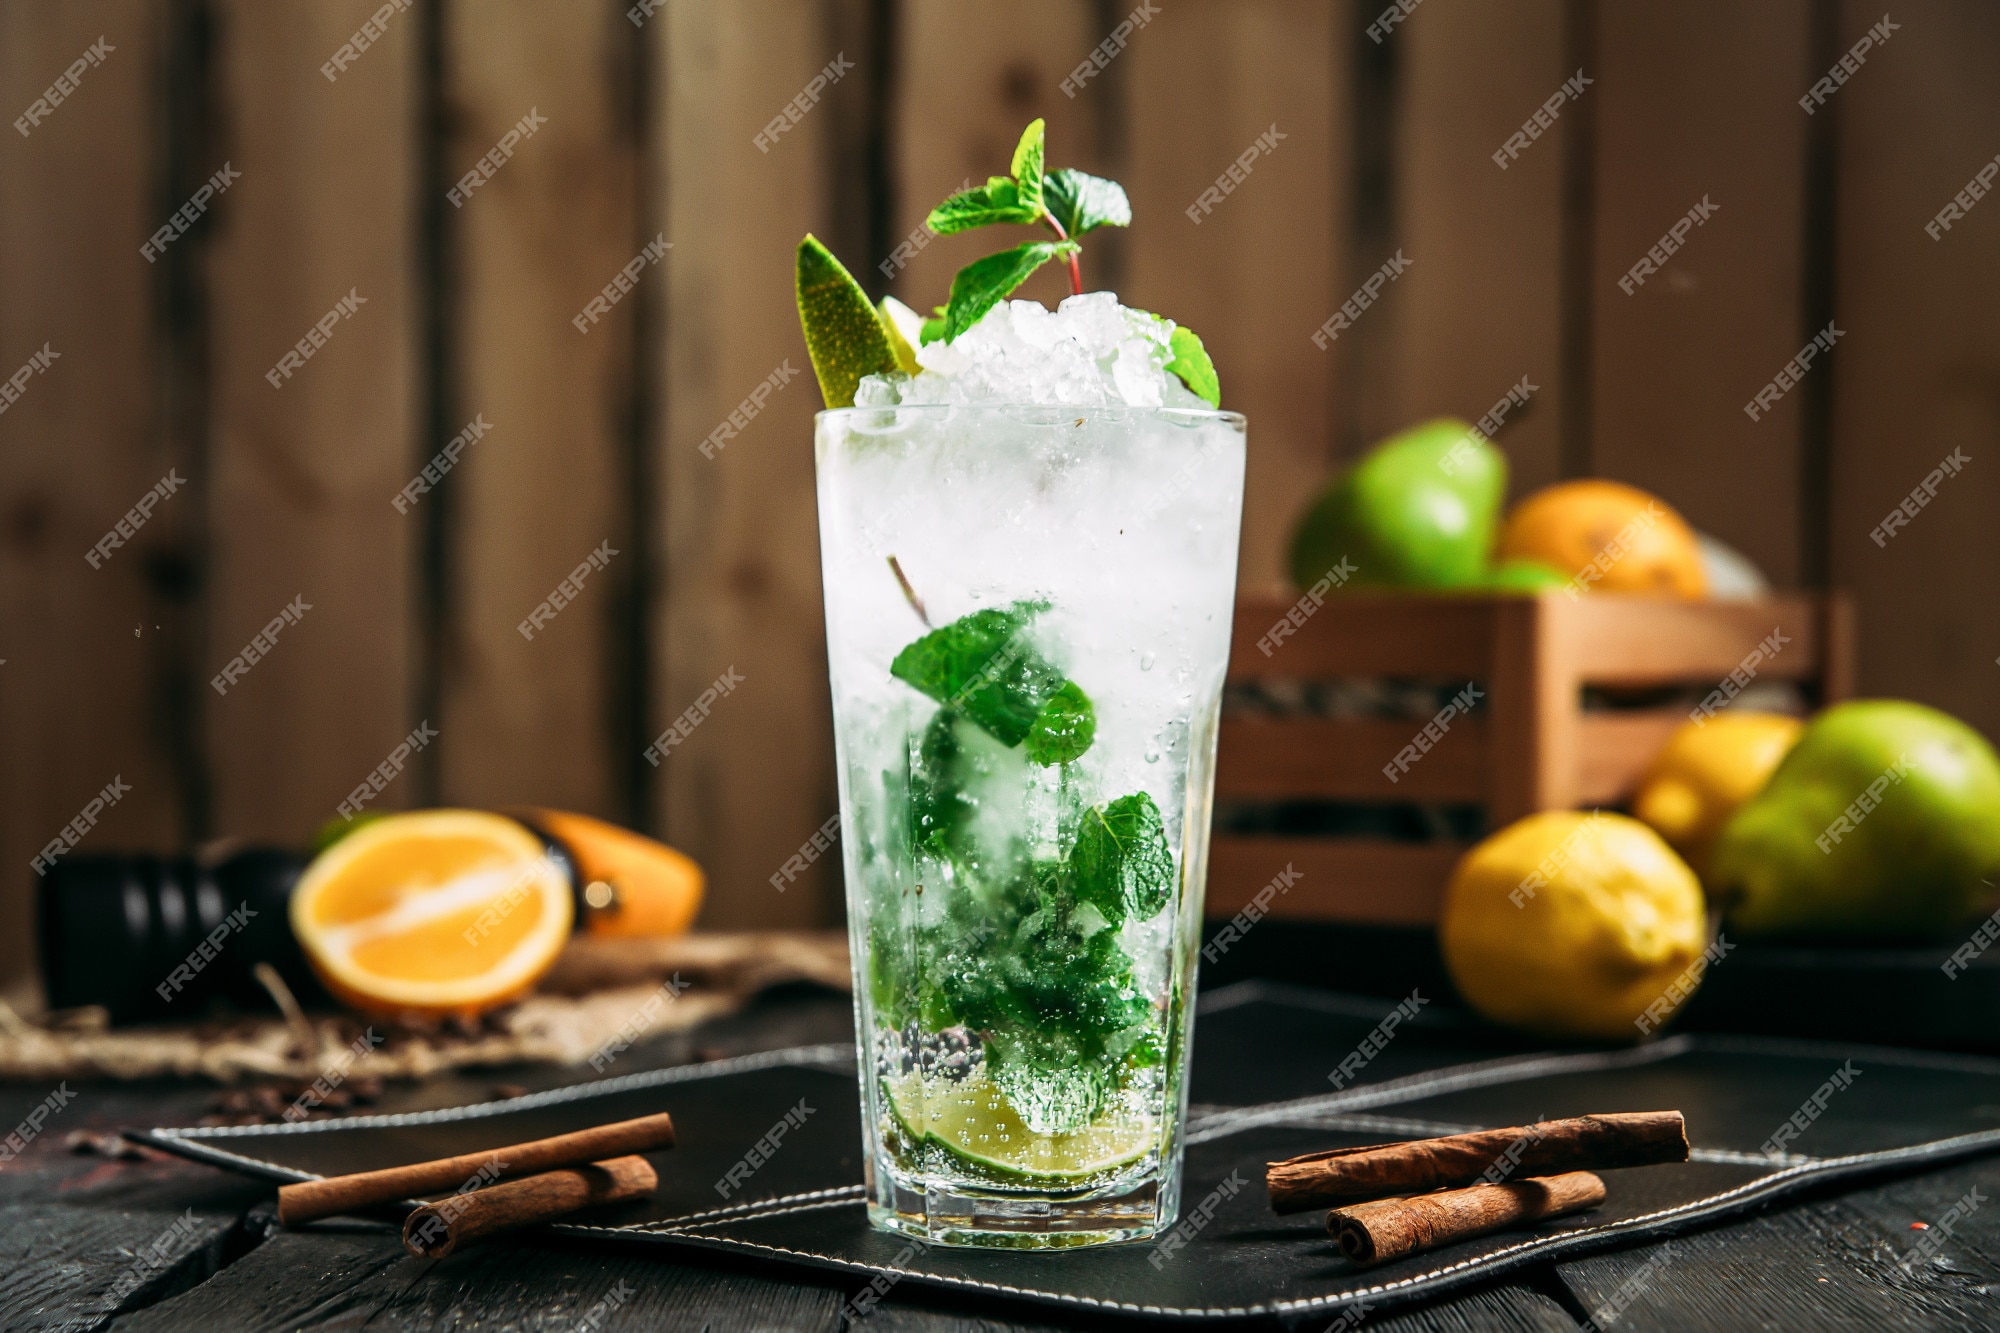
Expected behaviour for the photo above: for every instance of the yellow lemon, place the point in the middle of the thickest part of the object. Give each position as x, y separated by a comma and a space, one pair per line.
1570, 924
1706, 773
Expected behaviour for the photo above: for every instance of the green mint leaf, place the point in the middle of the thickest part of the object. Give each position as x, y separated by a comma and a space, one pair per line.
845, 335
1064, 728
1027, 166
983, 666
933, 328
1121, 862
998, 201
987, 282
1081, 202
1191, 363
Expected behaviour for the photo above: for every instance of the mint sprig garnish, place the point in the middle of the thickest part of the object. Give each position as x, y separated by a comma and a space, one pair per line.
985, 283
1191, 363
1070, 203
1027, 164
997, 201
1081, 202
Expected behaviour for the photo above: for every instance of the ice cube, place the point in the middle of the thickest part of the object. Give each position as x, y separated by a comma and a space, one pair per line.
1089, 351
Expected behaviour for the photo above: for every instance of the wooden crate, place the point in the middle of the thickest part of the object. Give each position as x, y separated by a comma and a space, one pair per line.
1528, 744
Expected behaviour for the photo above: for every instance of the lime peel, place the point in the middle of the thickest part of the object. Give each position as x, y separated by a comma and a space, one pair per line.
954, 1116
845, 335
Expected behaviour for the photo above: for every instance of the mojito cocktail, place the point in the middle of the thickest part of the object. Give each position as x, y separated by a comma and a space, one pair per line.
1028, 531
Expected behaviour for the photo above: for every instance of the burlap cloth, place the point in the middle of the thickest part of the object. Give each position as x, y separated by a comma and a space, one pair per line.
601, 991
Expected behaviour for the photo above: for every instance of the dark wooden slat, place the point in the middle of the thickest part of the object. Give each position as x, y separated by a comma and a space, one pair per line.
1617, 640
82, 647
1340, 879
526, 720
1258, 275
1363, 634
1614, 750
1480, 304
303, 473
76, 1228
1682, 117
741, 563
1917, 369
350, 1274
1830, 1263
1306, 757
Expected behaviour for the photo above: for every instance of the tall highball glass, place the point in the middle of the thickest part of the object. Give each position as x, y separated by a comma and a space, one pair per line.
1028, 612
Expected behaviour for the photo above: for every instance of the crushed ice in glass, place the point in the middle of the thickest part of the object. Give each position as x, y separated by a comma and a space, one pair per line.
1089, 351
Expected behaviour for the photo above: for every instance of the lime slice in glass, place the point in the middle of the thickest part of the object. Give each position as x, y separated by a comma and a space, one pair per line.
972, 1120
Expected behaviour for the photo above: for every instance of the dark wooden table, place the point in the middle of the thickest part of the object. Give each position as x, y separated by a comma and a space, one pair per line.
73, 1230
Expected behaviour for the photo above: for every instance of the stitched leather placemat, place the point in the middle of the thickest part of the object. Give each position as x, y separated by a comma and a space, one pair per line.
1261, 1092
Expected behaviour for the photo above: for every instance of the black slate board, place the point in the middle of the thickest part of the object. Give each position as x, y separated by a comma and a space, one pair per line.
1261, 1057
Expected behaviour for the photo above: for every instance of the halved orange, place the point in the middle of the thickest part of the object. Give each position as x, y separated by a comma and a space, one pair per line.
434, 912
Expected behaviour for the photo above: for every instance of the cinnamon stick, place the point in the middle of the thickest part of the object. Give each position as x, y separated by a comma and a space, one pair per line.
1548, 1147
1373, 1233
436, 1229
340, 1194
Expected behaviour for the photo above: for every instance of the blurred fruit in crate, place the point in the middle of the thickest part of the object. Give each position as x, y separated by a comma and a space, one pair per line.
1570, 924
1706, 772
1731, 575
1417, 511
1525, 576
632, 885
1882, 824
1626, 539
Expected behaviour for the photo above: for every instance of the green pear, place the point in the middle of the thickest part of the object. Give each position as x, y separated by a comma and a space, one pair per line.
1418, 511
1882, 824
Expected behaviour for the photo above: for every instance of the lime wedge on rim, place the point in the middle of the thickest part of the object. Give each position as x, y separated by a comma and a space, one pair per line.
973, 1120
845, 336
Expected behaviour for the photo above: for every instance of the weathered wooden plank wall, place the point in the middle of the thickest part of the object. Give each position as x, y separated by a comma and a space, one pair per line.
653, 115
86, 655
299, 463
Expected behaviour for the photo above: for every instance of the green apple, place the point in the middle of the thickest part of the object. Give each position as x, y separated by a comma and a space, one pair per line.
1523, 575
1882, 824
1418, 511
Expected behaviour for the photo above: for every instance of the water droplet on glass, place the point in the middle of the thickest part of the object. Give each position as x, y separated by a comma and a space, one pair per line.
1146, 662
1152, 756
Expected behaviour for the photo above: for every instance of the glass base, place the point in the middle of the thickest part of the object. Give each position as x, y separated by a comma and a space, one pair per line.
941, 1215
